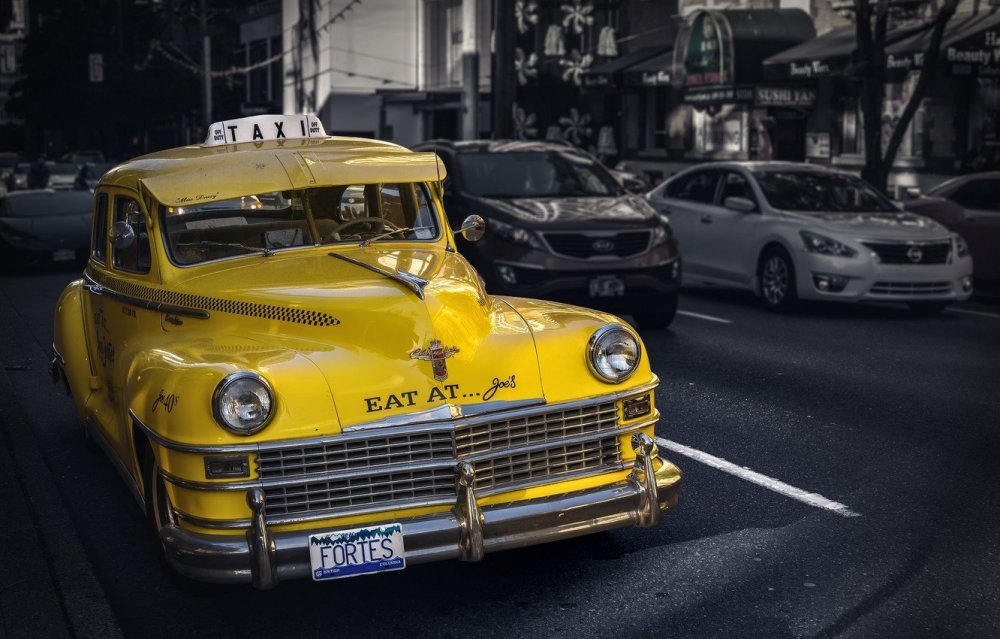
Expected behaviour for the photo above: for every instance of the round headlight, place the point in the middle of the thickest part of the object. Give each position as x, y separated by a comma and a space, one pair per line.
243, 403
613, 353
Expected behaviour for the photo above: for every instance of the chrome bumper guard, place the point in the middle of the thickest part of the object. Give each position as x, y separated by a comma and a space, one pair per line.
467, 532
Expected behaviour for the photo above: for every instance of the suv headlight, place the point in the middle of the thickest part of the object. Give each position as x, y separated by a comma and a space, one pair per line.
660, 235
816, 243
961, 247
516, 234
243, 403
613, 353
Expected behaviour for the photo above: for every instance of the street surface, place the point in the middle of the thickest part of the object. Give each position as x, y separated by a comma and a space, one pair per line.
841, 481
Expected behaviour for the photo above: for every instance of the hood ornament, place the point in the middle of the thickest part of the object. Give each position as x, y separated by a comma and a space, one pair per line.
435, 354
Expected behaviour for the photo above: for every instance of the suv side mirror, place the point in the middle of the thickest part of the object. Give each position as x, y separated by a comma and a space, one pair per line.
473, 228
741, 204
635, 185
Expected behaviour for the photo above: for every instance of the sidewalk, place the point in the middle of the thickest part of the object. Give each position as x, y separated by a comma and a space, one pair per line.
47, 585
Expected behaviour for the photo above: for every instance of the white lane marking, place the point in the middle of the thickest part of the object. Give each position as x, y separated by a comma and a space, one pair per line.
967, 312
812, 499
710, 318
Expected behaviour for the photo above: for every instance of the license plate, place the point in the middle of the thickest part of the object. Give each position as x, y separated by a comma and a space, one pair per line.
607, 286
358, 551
63, 255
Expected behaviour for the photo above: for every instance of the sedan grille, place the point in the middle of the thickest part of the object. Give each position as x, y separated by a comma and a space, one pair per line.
589, 245
911, 253
369, 470
910, 288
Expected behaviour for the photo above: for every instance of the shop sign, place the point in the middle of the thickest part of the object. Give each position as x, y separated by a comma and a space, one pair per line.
655, 78
817, 145
982, 56
718, 95
808, 69
784, 97
705, 46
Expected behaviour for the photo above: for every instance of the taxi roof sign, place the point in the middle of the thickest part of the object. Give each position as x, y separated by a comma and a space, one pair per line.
264, 127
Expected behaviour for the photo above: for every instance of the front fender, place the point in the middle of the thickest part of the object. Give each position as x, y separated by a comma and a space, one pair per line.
70, 342
562, 333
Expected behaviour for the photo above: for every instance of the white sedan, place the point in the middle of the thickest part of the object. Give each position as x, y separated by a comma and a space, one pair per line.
797, 231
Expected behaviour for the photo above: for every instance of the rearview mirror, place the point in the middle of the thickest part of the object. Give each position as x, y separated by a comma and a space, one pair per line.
741, 204
122, 235
473, 228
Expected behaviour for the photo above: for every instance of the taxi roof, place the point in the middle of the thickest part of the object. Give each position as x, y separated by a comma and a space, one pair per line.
193, 174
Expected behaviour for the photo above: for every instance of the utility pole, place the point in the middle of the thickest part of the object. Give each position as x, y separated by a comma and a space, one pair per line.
470, 69
503, 68
206, 63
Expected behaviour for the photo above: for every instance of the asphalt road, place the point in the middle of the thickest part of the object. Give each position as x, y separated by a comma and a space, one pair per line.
888, 426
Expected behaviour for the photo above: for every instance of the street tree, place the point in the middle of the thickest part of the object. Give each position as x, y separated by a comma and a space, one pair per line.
872, 27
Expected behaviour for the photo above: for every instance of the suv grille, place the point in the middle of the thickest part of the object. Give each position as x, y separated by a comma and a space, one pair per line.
911, 253
588, 245
368, 471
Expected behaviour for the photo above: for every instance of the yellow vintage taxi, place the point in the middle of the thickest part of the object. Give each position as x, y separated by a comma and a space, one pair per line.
298, 376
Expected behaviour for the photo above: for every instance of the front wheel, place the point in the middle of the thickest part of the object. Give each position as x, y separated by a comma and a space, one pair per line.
927, 308
659, 316
777, 280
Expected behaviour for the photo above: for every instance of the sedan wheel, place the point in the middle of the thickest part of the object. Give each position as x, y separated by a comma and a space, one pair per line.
777, 281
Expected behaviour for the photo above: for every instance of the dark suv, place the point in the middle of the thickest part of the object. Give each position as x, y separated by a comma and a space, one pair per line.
561, 228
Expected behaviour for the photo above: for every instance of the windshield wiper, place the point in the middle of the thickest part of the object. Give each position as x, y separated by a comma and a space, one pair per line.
413, 282
365, 243
251, 249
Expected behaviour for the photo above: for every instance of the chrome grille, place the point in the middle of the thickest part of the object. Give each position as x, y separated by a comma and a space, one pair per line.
355, 454
385, 468
359, 493
910, 288
548, 463
586, 245
534, 429
900, 253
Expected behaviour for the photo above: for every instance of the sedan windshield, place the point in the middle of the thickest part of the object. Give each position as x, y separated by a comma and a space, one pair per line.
534, 174
816, 192
266, 222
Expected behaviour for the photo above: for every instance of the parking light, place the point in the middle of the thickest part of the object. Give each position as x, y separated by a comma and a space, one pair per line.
830, 283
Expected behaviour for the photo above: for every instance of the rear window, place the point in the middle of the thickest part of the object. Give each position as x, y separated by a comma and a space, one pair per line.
47, 204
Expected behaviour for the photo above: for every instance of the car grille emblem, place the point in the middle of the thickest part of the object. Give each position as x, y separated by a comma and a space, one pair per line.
435, 354
915, 254
603, 246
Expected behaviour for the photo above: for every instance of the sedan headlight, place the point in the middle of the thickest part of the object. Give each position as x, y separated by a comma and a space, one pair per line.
613, 353
816, 243
243, 403
961, 247
516, 234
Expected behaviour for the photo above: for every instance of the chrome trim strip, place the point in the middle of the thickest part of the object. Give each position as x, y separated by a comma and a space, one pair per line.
552, 443
95, 433
219, 524
279, 520
354, 433
97, 289
55, 351
447, 411
552, 479
411, 282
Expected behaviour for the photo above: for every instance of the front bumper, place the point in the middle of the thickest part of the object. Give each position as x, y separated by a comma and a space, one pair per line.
871, 281
465, 532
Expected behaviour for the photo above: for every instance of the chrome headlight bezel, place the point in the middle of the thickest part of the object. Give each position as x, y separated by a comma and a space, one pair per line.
596, 349
823, 245
226, 385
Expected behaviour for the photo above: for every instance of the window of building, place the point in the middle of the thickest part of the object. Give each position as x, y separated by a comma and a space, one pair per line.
444, 43
655, 136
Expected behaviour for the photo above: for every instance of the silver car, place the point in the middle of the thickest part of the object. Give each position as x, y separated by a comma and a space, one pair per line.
791, 232
44, 225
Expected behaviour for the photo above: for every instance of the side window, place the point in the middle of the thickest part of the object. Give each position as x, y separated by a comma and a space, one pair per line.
135, 257
979, 194
99, 232
698, 187
735, 185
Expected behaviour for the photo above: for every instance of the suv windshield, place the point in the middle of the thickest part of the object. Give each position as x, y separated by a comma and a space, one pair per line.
268, 222
534, 174
815, 192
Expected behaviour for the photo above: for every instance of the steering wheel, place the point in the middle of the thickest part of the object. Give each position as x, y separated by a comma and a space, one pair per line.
374, 224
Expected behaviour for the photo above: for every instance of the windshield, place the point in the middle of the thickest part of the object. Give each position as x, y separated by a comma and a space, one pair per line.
534, 174
318, 216
815, 192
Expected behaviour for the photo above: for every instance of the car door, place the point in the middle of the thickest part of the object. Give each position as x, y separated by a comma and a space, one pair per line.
980, 224
116, 316
732, 232
686, 200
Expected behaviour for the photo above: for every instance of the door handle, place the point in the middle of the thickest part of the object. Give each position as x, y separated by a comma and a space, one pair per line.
706, 219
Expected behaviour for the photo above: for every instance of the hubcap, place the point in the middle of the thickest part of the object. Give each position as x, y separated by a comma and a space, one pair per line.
775, 285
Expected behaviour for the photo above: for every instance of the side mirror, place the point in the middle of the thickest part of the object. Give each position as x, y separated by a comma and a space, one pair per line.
635, 185
741, 204
122, 235
473, 228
